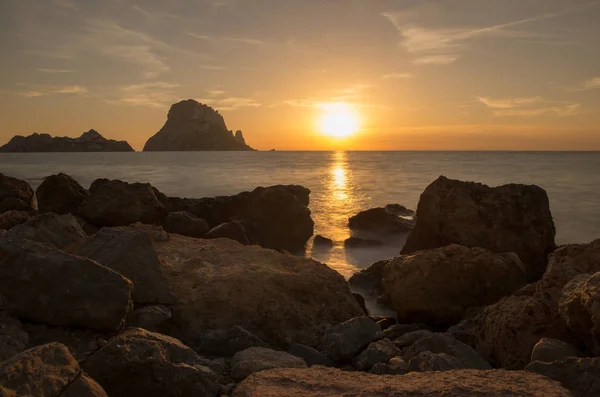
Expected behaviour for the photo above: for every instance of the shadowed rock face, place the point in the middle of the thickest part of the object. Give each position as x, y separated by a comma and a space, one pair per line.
192, 126
90, 141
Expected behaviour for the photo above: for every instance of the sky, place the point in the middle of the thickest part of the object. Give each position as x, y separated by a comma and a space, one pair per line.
421, 75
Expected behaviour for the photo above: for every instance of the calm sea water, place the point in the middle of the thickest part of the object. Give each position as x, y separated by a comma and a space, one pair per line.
342, 183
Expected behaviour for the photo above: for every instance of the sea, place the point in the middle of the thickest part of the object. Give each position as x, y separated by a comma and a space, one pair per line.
341, 183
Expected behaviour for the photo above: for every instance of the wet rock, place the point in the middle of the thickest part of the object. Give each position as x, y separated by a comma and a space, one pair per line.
60, 194
11, 219
59, 231
309, 355
361, 302
15, 188
151, 318
548, 350
45, 371
14, 204
377, 352
117, 203
185, 224
322, 242
322, 382
421, 291
234, 230
379, 220
13, 339
226, 342
464, 355
130, 252
345, 340
409, 338
580, 375
355, 242
398, 330
509, 218
44, 285
142, 363
256, 359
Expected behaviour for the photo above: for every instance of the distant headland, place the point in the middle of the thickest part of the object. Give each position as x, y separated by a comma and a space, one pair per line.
90, 141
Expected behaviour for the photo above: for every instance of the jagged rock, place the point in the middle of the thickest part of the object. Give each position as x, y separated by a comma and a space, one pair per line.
309, 355
226, 342
398, 330
90, 141
323, 382
509, 218
369, 280
13, 204
150, 318
130, 252
280, 213
424, 288
256, 359
186, 224
580, 375
234, 230
216, 286
59, 231
345, 340
10, 219
322, 242
579, 307
192, 126
13, 339
548, 350
379, 220
142, 363
118, 203
411, 337
356, 242
45, 371
60, 194
465, 356
44, 285
15, 188
380, 351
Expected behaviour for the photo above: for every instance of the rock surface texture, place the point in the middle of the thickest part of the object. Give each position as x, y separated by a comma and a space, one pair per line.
580, 375
509, 218
90, 141
256, 359
345, 340
192, 126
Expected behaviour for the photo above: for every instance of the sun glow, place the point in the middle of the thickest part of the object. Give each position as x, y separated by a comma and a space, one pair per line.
338, 119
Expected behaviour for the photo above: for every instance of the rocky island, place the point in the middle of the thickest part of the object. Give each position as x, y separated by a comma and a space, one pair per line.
90, 141
119, 290
192, 126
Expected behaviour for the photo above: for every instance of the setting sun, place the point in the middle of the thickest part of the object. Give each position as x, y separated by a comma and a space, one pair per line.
338, 120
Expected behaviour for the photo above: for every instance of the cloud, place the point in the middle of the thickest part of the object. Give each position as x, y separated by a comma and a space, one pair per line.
562, 111
436, 60
241, 40
158, 94
212, 67
55, 70
529, 107
592, 83
45, 90
398, 76
508, 103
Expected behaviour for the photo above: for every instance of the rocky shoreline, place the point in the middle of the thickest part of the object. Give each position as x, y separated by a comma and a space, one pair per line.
120, 290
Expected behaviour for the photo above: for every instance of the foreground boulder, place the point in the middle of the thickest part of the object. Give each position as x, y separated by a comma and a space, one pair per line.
420, 291
142, 363
60, 194
130, 252
323, 382
45, 285
347, 339
379, 220
256, 359
185, 224
509, 218
46, 371
580, 375
280, 213
218, 284
13, 339
11, 219
15, 188
118, 203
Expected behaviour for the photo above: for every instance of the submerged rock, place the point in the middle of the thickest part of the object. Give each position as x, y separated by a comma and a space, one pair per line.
60, 194
322, 242
256, 359
509, 218
379, 220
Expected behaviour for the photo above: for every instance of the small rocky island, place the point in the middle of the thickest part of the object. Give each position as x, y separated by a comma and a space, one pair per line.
90, 141
192, 126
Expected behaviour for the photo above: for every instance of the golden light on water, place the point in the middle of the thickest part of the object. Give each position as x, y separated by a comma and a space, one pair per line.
339, 179
338, 120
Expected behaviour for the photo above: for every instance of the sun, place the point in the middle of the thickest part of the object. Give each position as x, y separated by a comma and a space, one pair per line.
338, 119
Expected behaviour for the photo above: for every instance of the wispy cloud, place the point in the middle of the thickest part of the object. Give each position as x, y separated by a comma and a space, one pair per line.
212, 67
436, 60
241, 40
592, 83
55, 70
508, 102
398, 76
33, 90
529, 107
158, 94
562, 111
216, 92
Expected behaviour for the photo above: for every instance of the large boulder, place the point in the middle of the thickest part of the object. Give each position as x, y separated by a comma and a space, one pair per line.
60, 194
59, 231
142, 363
424, 286
46, 371
13, 187
11, 219
256, 359
14, 204
13, 339
280, 213
509, 218
446, 344
118, 203
347, 339
580, 375
379, 220
186, 224
130, 252
218, 284
41, 284
234, 230
323, 382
